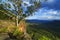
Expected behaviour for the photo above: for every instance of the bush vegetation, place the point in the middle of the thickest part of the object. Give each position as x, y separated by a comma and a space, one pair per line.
7, 26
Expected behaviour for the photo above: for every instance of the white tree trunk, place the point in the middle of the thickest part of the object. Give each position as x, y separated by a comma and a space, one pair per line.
17, 21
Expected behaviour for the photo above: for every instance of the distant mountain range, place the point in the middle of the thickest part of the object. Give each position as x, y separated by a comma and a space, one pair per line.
43, 21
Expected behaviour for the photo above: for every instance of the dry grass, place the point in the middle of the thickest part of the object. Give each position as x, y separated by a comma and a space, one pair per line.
6, 24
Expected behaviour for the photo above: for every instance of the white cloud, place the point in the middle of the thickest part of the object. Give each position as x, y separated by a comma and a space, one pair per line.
46, 14
27, 3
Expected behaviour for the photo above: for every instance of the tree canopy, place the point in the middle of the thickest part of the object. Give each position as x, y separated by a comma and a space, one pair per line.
15, 7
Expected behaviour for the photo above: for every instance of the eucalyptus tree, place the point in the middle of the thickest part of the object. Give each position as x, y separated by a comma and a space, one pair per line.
15, 8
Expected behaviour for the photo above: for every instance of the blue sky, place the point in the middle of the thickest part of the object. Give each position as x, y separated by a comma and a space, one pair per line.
50, 10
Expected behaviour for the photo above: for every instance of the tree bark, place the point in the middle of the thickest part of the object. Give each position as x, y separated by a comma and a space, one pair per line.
16, 21
22, 28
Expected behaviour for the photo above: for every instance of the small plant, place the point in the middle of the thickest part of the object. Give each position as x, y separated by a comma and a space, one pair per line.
2, 30
14, 33
44, 38
17, 32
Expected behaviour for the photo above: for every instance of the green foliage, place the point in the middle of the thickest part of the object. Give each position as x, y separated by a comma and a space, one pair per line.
44, 38
37, 5
2, 30
17, 32
41, 34
3, 16
17, 5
